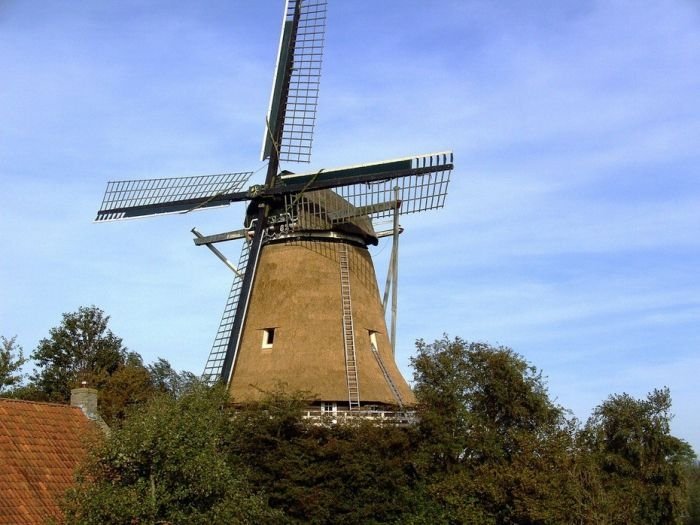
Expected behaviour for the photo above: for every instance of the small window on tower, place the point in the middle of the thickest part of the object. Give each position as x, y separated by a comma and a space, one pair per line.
268, 337
373, 340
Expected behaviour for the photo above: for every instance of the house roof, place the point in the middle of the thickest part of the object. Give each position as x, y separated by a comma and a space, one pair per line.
40, 446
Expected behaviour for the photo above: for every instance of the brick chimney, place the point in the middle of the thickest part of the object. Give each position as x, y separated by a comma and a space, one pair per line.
86, 399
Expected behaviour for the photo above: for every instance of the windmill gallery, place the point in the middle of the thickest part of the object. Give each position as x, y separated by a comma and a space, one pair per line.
305, 309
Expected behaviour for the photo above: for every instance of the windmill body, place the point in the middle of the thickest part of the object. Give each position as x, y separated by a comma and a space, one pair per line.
298, 299
304, 312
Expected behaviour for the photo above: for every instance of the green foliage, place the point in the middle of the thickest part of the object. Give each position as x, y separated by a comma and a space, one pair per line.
342, 474
642, 466
11, 361
132, 384
81, 348
129, 385
693, 475
490, 448
168, 380
167, 464
494, 447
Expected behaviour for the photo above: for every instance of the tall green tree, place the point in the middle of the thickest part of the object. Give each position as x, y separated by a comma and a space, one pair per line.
168, 380
167, 463
129, 385
80, 348
11, 361
693, 517
495, 448
643, 467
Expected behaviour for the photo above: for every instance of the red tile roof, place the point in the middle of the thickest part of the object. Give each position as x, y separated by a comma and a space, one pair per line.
40, 446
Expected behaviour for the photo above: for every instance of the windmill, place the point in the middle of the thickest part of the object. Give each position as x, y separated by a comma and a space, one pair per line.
304, 310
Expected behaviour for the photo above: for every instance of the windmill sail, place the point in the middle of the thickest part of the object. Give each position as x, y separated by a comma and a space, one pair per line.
416, 193
369, 189
215, 362
128, 199
289, 131
292, 113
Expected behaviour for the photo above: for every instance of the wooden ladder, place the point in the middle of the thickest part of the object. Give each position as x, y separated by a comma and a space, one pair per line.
387, 377
348, 330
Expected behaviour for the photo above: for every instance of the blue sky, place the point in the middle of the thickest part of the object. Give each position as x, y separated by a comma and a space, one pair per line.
570, 232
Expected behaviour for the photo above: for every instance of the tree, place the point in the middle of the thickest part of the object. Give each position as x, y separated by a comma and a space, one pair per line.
693, 517
490, 448
132, 383
168, 380
167, 464
327, 473
494, 448
11, 362
129, 385
643, 467
81, 348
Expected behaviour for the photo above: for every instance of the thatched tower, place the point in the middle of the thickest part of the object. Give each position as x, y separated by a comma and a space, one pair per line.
296, 333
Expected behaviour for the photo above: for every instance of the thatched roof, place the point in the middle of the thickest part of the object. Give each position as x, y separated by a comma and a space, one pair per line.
326, 210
